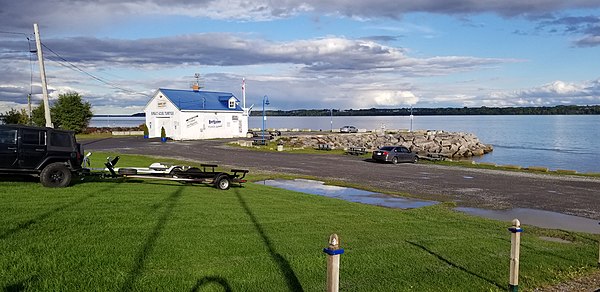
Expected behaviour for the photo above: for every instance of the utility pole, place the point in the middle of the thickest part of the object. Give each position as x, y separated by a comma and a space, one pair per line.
29, 115
38, 44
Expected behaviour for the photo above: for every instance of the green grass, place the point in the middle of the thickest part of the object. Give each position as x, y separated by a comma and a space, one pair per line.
155, 236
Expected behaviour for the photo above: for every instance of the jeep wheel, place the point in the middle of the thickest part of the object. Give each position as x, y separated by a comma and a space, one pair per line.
56, 175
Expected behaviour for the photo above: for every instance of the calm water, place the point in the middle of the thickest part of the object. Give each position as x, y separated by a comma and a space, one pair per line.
556, 142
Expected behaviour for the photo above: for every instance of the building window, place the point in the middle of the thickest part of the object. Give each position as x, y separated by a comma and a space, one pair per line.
232, 103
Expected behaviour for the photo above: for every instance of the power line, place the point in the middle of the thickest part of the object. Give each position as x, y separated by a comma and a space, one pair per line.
99, 79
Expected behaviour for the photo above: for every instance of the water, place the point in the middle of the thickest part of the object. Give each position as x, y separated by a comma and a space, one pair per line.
557, 142
347, 194
112, 122
540, 218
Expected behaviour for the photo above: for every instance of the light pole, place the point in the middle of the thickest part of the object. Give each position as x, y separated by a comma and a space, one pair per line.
411, 117
331, 119
265, 102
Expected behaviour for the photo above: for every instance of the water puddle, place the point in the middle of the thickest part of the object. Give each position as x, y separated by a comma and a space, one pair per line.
347, 194
538, 218
533, 217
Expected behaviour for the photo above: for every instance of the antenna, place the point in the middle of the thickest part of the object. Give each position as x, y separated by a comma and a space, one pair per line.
196, 85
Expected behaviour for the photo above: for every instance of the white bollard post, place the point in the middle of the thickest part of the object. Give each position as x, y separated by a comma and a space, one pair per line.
515, 245
333, 263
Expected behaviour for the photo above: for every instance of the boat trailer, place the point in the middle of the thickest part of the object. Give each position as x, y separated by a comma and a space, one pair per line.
206, 174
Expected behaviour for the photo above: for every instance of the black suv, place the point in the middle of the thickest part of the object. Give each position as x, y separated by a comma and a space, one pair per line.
53, 155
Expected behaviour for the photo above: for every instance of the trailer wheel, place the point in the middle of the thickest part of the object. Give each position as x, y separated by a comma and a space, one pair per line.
127, 171
56, 175
222, 182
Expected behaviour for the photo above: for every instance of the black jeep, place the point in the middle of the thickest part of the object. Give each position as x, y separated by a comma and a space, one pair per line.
50, 154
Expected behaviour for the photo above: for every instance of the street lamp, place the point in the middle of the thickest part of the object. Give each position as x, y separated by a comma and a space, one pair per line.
411, 117
265, 102
331, 119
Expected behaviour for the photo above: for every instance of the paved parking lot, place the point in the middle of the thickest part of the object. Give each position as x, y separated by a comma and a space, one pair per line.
467, 187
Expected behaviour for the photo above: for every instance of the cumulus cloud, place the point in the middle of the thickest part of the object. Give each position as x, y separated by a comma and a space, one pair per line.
390, 98
550, 94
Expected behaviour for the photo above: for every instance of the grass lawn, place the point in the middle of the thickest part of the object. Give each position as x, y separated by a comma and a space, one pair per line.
155, 236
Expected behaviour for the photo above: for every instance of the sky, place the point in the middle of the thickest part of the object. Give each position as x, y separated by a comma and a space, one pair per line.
312, 54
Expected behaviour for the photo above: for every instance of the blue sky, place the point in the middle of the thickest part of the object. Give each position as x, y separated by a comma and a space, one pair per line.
308, 54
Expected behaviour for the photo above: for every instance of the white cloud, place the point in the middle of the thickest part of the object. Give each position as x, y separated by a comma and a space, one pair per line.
390, 98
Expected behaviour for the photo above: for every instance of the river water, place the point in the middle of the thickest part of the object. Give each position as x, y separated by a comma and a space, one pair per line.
556, 141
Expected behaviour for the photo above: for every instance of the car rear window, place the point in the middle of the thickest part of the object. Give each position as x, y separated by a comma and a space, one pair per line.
387, 148
60, 139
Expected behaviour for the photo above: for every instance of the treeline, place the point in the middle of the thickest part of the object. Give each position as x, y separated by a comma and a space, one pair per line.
544, 110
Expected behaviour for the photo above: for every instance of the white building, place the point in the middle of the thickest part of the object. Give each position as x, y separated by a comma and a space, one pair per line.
194, 114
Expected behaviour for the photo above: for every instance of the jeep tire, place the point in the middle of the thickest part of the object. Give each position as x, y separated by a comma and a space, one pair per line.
56, 175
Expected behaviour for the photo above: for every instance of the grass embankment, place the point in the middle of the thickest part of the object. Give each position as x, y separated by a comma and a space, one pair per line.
155, 236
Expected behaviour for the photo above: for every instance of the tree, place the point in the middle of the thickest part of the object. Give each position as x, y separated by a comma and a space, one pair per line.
14, 116
38, 116
71, 113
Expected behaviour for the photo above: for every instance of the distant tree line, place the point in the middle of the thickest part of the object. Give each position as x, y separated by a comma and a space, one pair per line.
69, 112
544, 110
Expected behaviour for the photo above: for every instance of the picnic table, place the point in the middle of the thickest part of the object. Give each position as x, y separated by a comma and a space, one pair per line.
356, 150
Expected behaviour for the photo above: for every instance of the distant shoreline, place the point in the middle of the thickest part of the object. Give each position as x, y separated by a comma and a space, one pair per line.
464, 111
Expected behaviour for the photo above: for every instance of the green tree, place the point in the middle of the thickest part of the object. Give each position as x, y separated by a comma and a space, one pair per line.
69, 112
12, 116
37, 115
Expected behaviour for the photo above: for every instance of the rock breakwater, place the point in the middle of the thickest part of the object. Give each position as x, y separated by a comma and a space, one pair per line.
424, 143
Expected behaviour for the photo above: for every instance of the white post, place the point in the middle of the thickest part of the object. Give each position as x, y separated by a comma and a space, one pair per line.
333, 263
244, 94
38, 43
515, 241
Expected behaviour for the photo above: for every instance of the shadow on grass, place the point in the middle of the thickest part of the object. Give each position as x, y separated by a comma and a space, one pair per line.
48, 214
284, 266
441, 258
212, 279
148, 247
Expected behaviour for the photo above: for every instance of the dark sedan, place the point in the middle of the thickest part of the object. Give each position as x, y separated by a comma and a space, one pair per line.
394, 154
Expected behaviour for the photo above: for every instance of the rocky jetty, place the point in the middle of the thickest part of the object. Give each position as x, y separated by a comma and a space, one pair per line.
424, 143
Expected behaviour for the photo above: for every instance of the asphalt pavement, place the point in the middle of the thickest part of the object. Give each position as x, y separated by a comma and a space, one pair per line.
468, 187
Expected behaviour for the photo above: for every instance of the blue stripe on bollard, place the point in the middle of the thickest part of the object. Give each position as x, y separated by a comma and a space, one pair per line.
515, 230
333, 251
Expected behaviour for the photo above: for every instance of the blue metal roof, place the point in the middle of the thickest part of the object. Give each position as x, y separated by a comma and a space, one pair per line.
200, 100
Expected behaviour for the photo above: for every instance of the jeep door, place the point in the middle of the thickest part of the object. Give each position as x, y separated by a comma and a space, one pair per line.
32, 147
8, 148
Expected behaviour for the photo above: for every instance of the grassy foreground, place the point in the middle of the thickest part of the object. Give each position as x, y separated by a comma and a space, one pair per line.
155, 236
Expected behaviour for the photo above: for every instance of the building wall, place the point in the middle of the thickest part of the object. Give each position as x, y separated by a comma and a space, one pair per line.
191, 125
160, 112
211, 124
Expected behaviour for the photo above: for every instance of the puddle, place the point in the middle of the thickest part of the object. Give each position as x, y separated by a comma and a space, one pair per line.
347, 194
533, 217
538, 218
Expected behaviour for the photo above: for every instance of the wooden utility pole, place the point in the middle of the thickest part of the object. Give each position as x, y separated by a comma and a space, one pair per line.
38, 44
